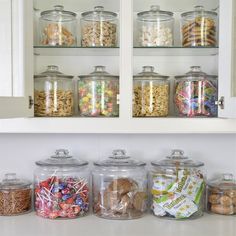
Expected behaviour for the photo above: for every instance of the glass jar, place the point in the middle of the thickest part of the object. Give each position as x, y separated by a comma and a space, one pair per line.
61, 187
151, 94
53, 93
155, 28
15, 196
99, 28
221, 195
199, 28
177, 187
58, 27
119, 187
97, 94
196, 94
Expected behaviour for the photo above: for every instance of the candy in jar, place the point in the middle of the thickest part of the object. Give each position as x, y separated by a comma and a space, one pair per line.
97, 94
61, 187
196, 94
177, 187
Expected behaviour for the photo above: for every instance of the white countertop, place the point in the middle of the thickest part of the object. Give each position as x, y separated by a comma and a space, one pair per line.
31, 225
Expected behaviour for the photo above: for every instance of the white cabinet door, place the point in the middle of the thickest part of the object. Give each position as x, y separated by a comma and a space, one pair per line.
227, 58
16, 58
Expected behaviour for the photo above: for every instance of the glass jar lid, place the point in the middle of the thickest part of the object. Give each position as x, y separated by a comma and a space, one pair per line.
61, 159
53, 72
177, 159
199, 11
99, 73
148, 73
11, 182
58, 14
226, 181
119, 159
195, 72
155, 14
99, 14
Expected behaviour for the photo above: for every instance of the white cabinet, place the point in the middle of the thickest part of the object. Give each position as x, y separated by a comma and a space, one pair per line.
125, 61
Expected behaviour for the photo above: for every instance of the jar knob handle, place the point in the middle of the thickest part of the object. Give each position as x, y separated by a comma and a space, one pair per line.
228, 177
10, 176
62, 153
177, 154
99, 8
155, 8
119, 154
58, 7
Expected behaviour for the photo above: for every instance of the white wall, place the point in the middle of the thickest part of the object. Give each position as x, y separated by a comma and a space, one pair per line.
19, 152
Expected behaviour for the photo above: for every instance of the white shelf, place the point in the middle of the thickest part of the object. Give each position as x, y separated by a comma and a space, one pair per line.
31, 225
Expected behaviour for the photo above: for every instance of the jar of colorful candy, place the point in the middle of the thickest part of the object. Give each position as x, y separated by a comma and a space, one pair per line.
98, 94
61, 187
196, 94
119, 187
177, 187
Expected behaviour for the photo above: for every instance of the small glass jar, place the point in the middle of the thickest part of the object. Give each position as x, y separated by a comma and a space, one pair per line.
151, 94
99, 28
221, 195
15, 196
155, 28
177, 187
196, 94
119, 187
61, 187
199, 28
58, 27
98, 94
53, 93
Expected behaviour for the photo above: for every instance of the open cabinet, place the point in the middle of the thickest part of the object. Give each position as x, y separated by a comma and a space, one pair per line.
126, 60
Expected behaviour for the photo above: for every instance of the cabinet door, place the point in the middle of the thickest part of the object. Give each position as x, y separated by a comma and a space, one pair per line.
227, 58
16, 58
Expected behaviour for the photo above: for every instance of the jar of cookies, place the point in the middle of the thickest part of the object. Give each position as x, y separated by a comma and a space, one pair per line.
177, 187
58, 27
53, 94
221, 195
119, 187
99, 28
151, 94
196, 93
199, 28
98, 94
61, 187
15, 195
155, 28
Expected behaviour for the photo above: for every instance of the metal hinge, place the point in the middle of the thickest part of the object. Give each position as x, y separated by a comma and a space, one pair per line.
221, 103
31, 102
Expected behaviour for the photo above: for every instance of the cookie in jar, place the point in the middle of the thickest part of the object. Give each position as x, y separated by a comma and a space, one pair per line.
119, 187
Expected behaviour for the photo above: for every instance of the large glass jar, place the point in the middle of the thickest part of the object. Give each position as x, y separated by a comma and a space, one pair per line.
58, 27
119, 187
151, 94
61, 187
15, 196
196, 94
155, 28
221, 195
99, 28
177, 187
98, 94
53, 93
199, 28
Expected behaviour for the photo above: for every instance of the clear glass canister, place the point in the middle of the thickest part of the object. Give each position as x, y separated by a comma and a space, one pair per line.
196, 94
98, 94
177, 187
151, 94
53, 93
61, 187
221, 195
15, 196
58, 27
155, 28
199, 28
119, 187
99, 28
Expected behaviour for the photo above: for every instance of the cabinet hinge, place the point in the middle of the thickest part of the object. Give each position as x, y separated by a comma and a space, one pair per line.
31, 102
221, 103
